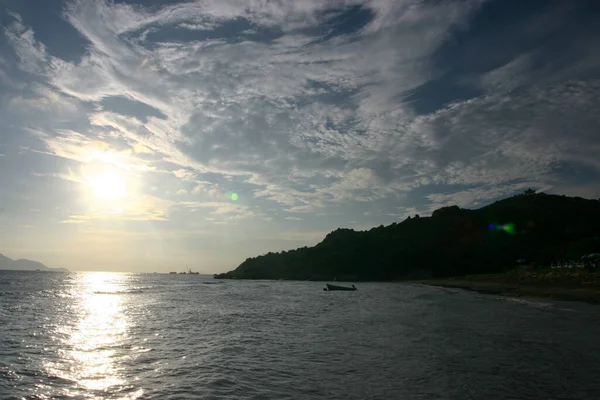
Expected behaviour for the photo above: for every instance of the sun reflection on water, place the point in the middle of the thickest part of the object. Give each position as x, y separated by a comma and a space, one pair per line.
96, 344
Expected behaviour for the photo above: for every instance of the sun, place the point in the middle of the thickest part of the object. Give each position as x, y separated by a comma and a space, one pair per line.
108, 185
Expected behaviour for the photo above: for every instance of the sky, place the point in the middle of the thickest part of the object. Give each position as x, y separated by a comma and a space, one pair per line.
148, 135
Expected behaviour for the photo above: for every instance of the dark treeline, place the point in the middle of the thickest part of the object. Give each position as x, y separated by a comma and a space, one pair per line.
453, 241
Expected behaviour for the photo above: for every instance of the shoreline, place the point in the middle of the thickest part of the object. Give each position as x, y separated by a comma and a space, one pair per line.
553, 292
562, 285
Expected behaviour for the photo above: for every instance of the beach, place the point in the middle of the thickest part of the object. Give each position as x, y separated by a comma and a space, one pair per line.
557, 284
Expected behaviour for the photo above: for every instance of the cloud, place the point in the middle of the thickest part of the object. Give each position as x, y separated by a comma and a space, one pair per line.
230, 211
152, 136
300, 109
283, 95
45, 99
76, 146
509, 76
70, 176
306, 237
184, 174
31, 53
497, 138
141, 208
474, 197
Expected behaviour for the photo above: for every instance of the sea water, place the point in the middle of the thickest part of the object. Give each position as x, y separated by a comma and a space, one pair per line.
160, 336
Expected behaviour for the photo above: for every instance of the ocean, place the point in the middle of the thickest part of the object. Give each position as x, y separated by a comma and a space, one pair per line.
156, 336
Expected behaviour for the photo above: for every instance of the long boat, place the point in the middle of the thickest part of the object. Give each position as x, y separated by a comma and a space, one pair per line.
335, 287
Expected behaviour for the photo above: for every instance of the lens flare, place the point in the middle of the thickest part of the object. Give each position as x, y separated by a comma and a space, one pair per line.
232, 196
508, 228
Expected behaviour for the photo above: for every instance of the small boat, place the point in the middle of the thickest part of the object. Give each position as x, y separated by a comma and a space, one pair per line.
335, 287
172, 273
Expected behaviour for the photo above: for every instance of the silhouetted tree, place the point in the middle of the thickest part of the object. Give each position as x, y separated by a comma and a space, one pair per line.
453, 241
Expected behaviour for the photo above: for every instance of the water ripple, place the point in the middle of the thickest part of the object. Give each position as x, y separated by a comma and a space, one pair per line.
128, 336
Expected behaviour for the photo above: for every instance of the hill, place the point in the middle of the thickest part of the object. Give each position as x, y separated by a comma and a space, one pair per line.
453, 241
25, 265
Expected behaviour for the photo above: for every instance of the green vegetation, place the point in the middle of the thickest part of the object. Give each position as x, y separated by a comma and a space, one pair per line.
535, 227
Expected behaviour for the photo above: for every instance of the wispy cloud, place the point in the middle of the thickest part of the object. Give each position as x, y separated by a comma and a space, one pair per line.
231, 211
213, 90
143, 208
84, 149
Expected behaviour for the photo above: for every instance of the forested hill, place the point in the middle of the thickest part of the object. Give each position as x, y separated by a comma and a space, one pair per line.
25, 265
453, 241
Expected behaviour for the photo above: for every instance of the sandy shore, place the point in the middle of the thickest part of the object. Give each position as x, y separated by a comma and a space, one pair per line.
554, 291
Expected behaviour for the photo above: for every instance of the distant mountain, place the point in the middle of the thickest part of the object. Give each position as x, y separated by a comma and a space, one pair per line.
453, 241
25, 265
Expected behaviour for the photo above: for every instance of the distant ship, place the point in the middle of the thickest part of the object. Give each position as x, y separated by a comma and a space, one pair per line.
188, 272
172, 273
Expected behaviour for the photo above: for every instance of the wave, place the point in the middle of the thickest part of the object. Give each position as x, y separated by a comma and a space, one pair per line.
131, 291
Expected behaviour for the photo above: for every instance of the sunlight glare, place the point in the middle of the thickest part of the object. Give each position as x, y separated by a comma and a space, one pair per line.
93, 343
108, 185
